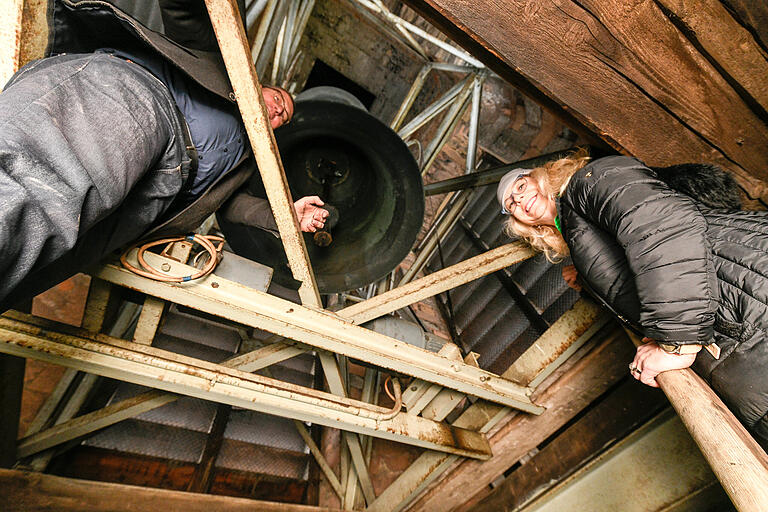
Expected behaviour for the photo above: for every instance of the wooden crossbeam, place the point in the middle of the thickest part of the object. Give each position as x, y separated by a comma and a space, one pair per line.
22, 491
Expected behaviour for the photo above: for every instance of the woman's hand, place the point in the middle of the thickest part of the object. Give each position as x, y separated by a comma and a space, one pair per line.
311, 216
571, 277
650, 360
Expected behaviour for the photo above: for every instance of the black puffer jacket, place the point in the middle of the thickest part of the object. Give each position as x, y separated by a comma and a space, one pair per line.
677, 272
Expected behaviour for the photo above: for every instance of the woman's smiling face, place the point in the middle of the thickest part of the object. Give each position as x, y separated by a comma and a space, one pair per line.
526, 203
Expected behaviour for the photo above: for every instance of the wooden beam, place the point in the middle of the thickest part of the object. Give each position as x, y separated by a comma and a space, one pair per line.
591, 376
726, 43
624, 409
737, 460
247, 89
22, 491
11, 384
548, 352
641, 85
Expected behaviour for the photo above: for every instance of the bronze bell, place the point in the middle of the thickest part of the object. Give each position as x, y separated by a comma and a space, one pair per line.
335, 149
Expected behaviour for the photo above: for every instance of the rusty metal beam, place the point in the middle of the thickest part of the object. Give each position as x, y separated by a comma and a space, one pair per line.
323, 330
147, 366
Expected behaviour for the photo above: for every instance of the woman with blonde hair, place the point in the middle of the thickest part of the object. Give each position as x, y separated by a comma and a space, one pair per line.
670, 254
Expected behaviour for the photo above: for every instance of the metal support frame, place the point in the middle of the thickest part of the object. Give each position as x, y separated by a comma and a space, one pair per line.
130, 362
267, 355
569, 332
321, 329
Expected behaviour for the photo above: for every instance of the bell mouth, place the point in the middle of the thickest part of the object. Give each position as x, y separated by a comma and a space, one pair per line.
361, 167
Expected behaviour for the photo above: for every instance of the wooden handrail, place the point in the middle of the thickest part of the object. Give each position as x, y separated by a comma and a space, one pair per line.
739, 463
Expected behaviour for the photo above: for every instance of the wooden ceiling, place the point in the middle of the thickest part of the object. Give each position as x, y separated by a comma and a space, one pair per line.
668, 81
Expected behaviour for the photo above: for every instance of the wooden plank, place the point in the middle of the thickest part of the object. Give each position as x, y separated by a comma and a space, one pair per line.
737, 460
623, 410
247, 89
605, 365
11, 384
710, 26
22, 491
642, 86
203, 476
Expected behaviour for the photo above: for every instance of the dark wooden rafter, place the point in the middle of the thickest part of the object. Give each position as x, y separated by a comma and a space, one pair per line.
623, 409
624, 71
11, 383
24, 491
602, 367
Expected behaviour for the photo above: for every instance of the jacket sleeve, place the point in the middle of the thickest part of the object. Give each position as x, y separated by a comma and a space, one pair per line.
187, 23
663, 237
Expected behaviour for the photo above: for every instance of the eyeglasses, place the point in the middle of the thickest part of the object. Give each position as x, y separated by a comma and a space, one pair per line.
518, 189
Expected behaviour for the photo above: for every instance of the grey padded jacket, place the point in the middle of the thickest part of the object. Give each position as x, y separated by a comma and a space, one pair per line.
677, 272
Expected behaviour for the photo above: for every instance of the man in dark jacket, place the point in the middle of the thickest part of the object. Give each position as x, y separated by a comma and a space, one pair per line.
132, 135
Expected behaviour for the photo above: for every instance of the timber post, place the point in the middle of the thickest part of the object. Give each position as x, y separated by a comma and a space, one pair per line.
739, 463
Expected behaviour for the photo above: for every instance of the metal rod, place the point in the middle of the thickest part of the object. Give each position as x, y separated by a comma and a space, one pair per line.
434, 109
438, 282
413, 92
421, 33
455, 68
489, 176
287, 42
253, 11
259, 47
317, 328
477, 93
306, 11
446, 127
245, 82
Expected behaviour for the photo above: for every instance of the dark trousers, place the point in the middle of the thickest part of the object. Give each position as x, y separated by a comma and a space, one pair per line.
91, 155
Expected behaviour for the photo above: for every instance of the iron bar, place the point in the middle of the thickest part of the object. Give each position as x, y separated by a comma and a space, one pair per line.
262, 31
171, 372
320, 329
413, 92
477, 92
253, 11
447, 127
245, 83
421, 33
435, 108
489, 176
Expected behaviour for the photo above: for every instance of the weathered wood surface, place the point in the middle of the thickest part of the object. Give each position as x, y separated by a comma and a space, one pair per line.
624, 409
22, 491
11, 383
591, 376
625, 71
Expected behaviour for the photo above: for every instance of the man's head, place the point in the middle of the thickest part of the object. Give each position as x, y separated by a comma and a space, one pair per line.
279, 105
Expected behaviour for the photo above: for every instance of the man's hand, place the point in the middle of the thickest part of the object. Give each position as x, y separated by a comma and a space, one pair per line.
571, 277
311, 216
650, 360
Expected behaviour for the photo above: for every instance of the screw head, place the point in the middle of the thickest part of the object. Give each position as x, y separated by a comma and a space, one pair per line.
166, 267
214, 284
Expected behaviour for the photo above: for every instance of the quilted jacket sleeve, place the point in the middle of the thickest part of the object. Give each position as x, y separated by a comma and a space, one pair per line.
616, 205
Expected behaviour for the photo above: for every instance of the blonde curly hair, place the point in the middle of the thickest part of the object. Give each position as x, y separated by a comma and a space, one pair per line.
552, 178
